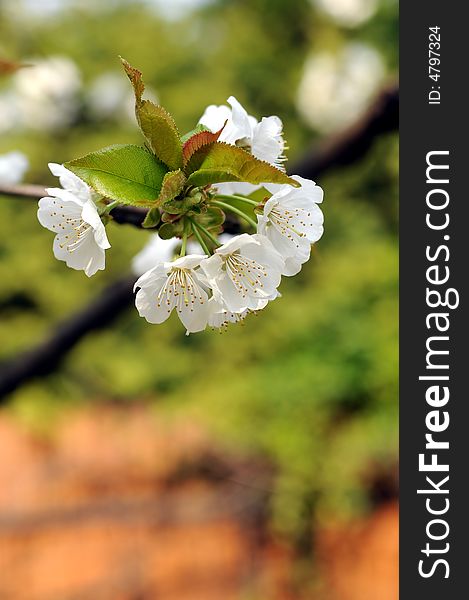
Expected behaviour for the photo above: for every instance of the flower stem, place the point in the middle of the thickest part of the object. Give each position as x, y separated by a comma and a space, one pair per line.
236, 211
199, 238
208, 235
110, 206
240, 198
183, 246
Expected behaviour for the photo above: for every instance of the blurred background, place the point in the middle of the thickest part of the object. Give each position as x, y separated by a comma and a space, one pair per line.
257, 464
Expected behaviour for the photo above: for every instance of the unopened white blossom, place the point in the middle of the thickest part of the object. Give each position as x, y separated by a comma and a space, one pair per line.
71, 213
244, 273
174, 285
154, 252
13, 166
292, 221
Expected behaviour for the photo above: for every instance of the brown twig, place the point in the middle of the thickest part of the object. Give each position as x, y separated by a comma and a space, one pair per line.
23, 191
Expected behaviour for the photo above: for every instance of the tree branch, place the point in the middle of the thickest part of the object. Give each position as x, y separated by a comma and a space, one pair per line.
46, 356
340, 150
351, 144
23, 191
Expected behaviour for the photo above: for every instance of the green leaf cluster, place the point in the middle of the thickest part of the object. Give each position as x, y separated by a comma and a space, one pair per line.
160, 175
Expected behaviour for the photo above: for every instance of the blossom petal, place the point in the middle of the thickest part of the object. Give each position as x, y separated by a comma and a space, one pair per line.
90, 215
69, 181
86, 256
215, 116
53, 212
153, 275
219, 317
293, 265
267, 141
265, 253
147, 304
188, 262
194, 316
241, 121
229, 295
64, 195
212, 266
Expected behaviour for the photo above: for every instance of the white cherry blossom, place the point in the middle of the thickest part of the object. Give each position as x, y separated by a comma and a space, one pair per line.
263, 139
13, 166
244, 273
72, 215
292, 220
174, 285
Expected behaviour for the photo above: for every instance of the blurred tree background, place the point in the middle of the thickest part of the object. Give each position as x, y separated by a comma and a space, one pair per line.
311, 384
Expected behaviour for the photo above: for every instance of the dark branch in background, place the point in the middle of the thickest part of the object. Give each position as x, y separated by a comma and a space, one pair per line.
46, 356
353, 143
340, 150
129, 215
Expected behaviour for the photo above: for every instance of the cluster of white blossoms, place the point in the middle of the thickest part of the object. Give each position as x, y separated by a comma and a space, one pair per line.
219, 282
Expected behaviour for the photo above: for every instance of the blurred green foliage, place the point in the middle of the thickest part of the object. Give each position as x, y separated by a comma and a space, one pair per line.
312, 382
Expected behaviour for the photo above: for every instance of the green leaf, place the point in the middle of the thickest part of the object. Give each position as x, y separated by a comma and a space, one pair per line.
160, 132
197, 129
157, 125
152, 219
122, 172
136, 80
197, 141
219, 162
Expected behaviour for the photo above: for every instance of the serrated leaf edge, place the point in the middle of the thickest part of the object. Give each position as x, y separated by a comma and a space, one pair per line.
293, 183
200, 139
